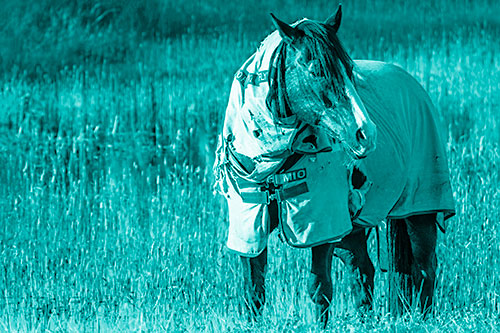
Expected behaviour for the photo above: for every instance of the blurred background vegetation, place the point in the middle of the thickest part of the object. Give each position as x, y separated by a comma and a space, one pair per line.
44, 36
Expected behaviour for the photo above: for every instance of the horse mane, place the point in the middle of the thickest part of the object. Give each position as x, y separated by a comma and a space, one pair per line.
276, 99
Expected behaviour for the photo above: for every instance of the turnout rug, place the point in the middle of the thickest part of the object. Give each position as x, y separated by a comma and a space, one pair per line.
409, 167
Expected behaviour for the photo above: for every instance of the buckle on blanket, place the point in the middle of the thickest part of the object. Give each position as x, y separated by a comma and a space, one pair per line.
274, 189
265, 196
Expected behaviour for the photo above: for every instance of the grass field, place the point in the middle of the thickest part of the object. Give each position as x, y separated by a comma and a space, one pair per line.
108, 118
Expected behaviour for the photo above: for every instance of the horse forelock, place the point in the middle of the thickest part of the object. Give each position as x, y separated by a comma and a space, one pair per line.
323, 45
320, 37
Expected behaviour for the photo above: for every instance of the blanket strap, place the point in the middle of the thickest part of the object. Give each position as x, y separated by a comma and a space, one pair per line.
291, 192
264, 196
273, 188
255, 196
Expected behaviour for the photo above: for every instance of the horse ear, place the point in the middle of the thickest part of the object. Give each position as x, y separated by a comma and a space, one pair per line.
334, 20
287, 32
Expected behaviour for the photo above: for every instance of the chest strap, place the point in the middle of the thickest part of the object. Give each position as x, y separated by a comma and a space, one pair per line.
274, 189
266, 195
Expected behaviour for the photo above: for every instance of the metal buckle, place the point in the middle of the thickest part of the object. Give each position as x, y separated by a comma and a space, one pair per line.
268, 197
277, 195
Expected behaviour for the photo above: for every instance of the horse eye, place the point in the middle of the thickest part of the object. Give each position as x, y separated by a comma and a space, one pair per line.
307, 56
315, 69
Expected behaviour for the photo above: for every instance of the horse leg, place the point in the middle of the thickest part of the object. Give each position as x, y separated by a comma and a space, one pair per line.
320, 282
414, 260
352, 250
400, 285
422, 233
254, 275
254, 272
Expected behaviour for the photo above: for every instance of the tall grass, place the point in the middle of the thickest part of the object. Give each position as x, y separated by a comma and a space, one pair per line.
107, 217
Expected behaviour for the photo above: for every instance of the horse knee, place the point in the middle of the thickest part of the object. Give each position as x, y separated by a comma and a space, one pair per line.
422, 233
321, 292
254, 269
425, 260
364, 284
320, 283
424, 276
320, 289
362, 276
347, 257
427, 267
423, 280
367, 273
254, 274
357, 263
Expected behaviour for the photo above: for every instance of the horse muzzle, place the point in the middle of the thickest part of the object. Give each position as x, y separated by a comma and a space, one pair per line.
365, 139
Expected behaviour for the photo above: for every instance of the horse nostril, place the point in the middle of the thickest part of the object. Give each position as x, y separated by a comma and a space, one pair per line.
360, 135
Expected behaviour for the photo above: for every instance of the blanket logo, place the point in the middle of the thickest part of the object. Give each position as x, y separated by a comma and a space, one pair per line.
288, 177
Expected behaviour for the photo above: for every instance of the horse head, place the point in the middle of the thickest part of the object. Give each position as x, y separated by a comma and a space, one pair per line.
318, 82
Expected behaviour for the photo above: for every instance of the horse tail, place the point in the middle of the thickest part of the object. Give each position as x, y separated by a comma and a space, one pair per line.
400, 260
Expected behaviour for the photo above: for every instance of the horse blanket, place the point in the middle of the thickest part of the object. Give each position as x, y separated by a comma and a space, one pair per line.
409, 167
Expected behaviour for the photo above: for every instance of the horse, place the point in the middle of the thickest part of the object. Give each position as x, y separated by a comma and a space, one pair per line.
293, 104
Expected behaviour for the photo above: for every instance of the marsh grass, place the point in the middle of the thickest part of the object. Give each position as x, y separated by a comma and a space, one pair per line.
108, 221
